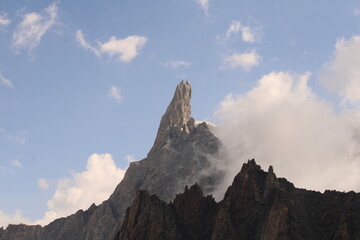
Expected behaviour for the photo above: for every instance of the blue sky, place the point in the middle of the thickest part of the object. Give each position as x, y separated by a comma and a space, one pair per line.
92, 77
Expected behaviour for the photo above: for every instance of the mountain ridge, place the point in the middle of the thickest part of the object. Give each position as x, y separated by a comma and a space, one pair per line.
257, 205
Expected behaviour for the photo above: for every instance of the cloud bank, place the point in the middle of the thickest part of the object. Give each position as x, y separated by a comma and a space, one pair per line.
282, 122
17, 218
94, 185
342, 73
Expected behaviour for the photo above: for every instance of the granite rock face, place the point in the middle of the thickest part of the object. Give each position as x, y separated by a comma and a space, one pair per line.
258, 206
180, 156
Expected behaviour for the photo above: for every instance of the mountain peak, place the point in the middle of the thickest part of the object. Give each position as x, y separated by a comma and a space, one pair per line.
177, 115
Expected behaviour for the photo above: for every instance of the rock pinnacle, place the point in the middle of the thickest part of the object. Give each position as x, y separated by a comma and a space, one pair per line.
177, 114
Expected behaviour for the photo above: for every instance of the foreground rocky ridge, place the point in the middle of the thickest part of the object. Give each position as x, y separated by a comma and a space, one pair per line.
179, 157
258, 205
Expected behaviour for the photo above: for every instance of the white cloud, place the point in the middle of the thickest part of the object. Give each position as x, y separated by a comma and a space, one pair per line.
281, 122
6, 82
130, 158
248, 34
94, 185
17, 163
83, 43
342, 73
125, 49
33, 27
246, 60
4, 20
17, 218
177, 64
204, 4
43, 184
114, 93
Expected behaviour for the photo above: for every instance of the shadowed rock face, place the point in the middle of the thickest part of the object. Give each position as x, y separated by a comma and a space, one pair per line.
179, 157
258, 205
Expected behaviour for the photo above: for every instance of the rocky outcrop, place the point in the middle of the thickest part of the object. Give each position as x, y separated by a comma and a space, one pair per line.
179, 157
190, 216
258, 206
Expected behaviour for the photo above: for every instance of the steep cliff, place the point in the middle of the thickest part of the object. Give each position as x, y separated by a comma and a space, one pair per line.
258, 206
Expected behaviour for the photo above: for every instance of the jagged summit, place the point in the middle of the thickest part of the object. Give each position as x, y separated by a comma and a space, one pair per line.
257, 206
177, 115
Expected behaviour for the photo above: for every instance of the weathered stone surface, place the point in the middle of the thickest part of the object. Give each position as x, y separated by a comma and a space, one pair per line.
176, 116
258, 206
178, 158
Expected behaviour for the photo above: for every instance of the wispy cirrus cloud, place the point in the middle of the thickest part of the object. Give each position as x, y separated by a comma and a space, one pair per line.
80, 38
125, 49
33, 27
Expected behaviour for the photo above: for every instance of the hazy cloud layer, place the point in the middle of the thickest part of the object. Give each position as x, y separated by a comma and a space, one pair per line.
33, 27
245, 61
125, 49
281, 122
94, 185
342, 73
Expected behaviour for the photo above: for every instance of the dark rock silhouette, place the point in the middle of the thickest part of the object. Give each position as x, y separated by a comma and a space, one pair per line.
258, 205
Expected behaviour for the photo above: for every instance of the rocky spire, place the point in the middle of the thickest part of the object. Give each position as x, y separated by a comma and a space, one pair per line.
177, 115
